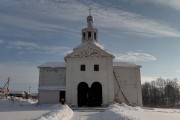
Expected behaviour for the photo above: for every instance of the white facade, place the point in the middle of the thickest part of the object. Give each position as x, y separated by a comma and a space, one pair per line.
129, 79
104, 76
52, 80
86, 77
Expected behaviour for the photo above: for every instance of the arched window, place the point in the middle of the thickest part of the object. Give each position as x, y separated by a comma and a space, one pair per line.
82, 94
95, 94
89, 35
84, 35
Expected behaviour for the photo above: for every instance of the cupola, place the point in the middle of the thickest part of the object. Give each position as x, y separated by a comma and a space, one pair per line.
89, 33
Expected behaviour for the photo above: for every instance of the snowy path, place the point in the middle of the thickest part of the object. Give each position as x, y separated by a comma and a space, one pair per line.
87, 114
79, 115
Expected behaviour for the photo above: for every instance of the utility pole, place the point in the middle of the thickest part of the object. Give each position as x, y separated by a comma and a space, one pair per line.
29, 90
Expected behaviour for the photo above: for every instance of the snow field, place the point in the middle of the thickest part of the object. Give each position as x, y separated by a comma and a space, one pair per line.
61, 112
20, 109
124, 112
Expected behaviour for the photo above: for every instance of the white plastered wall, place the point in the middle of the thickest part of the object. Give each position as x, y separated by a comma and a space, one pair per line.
104, 76
48, 97
130, 82
51, 77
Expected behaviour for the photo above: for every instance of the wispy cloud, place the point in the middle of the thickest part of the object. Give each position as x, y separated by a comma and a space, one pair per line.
32, 47
132, 23
1, 41
23, 44
147, 79
24, 24
170, 3
178, 71
134, 57
64, 13
59, 50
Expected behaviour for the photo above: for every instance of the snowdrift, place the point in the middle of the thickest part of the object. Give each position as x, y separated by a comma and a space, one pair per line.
21, 109
116, 112
60, 112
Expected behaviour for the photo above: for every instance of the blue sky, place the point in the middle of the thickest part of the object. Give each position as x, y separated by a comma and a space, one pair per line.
32, 32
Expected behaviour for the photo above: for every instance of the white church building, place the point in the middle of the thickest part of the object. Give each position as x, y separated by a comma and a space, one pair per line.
89, 76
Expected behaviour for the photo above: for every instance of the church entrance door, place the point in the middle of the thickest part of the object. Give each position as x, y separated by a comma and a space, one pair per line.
95, 95
82, 94
92, 96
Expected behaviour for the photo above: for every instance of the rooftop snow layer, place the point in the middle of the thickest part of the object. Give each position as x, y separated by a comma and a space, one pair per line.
53, 64
94, 43
63, 64
125, 64
62, 87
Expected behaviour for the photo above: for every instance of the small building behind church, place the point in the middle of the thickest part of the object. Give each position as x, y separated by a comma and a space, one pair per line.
89, 76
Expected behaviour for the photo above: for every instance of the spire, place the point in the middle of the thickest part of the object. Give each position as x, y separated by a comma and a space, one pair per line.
90, 11
90, 20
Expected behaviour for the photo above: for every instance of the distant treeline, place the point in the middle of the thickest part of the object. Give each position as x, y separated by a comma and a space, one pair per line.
161, 93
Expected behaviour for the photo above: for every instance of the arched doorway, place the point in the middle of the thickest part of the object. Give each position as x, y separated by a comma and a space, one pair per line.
95, 95
82, 94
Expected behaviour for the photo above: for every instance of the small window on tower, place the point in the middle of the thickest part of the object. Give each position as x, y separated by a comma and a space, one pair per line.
83, 68
96, 67
95, 36
89, 34
84, 35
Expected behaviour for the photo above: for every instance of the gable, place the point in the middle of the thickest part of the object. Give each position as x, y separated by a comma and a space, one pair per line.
89, 50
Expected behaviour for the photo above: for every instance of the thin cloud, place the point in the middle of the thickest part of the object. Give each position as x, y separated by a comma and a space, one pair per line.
32, 47
134, 57
134, 24
23, 44
36, 25
178, 71
59, 50
67, 13
147, 79
1, 41
175, 4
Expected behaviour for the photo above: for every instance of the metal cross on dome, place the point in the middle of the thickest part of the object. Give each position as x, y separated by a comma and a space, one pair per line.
90, 11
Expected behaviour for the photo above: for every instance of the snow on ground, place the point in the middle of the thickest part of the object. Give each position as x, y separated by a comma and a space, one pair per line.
28, 110
85, 115
20, 109
62, 112
125, 112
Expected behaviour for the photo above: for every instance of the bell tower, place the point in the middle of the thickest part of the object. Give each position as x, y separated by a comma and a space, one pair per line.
89, 33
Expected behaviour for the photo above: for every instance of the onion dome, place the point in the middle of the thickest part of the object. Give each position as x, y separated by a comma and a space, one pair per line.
90, 18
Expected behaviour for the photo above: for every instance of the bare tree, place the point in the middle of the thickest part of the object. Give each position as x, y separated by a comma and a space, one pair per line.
161, 93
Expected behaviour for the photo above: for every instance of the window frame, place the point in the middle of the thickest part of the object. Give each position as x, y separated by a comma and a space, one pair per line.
83, 67
96, 67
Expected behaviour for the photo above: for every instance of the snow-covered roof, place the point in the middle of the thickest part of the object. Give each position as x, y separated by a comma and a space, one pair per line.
62, 87
125, 64
53, 64
94, 43
63, 64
